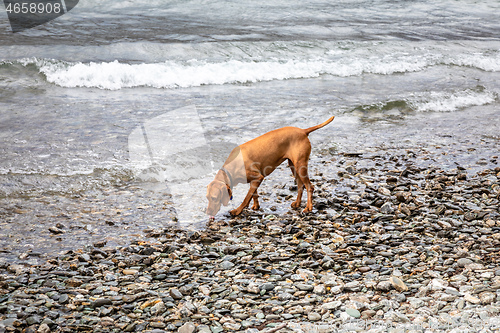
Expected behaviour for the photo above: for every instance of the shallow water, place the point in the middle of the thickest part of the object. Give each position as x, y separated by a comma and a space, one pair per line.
86, 181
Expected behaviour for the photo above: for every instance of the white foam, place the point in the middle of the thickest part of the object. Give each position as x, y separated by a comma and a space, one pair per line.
451, 101
489, 63
232, 63
115, 75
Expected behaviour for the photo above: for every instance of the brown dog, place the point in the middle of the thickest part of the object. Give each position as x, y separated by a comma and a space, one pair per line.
256, 159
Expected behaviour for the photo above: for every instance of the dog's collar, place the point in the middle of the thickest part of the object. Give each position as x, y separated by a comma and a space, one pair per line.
230, 179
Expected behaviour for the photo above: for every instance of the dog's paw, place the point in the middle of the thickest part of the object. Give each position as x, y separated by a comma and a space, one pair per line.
256, 207
295, 205
307, 210
234, 212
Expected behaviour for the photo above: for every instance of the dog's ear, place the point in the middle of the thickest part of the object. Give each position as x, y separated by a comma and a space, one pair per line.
226, 196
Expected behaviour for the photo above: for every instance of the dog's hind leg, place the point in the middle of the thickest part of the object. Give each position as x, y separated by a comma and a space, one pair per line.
301, 170
300, 185
304, 177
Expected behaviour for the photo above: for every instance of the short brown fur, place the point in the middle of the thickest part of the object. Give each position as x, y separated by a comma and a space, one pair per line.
261, 156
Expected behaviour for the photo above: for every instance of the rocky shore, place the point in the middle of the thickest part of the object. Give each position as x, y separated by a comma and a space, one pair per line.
390, 247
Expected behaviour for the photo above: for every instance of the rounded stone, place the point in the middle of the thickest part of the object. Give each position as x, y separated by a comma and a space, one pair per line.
101, 302
188, 327
313, 316
487, 297
384, 286
158, 308
398, 284
462, 262
130, 271
353, 313
63, 299
304, 286
226, 265
175, 293
387, 208
231, 326
267, 286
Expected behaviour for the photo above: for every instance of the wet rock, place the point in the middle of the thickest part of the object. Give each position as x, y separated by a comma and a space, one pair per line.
472, 299
353, 286
304, 287
400, 318
384, 286
231, 326
267, 286
353, 313
32, 320
226, 265
314, 316
188, 327
387, 208
487, 297
74, 282
101, 302
175, 293
63, 299
44, 328
462, 262
130, 271
331, 305
384, 191
84, 257
158, 308
402, 196
56, 230
398, 284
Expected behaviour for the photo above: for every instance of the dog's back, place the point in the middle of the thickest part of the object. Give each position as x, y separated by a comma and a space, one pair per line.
274, 146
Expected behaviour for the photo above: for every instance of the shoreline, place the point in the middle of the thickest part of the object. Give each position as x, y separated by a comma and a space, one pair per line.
38, 219
389, 243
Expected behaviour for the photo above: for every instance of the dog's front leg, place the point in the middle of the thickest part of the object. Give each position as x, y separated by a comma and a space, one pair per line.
256, 204
254, 185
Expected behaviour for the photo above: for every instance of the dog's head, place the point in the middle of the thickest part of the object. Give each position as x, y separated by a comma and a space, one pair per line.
218, 193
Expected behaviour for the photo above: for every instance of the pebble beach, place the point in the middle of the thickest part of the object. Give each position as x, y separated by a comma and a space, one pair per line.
397, 248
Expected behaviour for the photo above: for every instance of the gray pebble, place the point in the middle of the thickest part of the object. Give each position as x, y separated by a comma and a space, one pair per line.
462, 262
175, 293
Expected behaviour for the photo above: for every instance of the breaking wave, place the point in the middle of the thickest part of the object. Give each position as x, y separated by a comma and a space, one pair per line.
434, 101
180, 66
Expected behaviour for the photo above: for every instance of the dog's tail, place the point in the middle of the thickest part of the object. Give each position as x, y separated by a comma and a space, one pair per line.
311, 129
